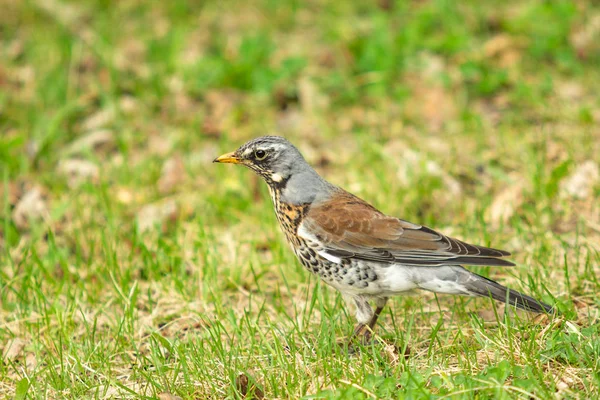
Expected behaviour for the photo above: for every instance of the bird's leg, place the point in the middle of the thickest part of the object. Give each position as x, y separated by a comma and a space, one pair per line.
364, 315
379, 304
366, 318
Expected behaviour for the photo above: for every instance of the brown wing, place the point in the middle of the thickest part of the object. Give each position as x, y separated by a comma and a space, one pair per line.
348, 227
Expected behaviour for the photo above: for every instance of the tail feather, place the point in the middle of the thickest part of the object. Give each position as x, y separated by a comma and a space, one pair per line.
485, 287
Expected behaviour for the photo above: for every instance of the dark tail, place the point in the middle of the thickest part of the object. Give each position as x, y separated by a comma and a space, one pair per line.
484, 287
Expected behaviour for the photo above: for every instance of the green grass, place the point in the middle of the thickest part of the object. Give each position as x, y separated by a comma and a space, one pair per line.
469, 117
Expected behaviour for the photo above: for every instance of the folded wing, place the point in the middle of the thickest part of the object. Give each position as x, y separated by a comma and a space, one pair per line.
348, 227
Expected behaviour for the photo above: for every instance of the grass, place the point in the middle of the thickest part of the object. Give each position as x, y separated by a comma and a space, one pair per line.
132, 267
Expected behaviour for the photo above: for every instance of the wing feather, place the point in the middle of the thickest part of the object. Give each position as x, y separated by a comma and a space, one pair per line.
348, 227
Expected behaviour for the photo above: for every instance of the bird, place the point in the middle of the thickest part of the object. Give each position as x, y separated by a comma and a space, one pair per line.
365, 254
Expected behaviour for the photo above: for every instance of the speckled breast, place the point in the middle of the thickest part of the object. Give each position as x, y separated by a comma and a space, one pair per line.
347, 274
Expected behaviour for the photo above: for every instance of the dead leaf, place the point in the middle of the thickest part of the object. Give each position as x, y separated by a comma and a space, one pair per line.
580, 184
432, 103
564, 385
505, 203
498, 45
101, 140
98, 120
585, 36
160, 144
130, 55
438, 107
505, 48
31, 361
31, 207
78, 171
387, 5
433, 66
570, 90
580, 303
185, 104
556, 152
128, 105
392, 353
155, 214
124, 195
171, 175
15, 48
15, 191
13, 349
220, 105
248, 388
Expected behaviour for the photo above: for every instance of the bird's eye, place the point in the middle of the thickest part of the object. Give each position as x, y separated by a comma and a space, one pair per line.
260, 154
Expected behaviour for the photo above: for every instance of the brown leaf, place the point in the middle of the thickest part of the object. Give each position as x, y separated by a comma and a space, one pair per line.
160, 144
580, 184
99, 119
433, 67
504, 48
392, 353
31, 207
78, 171
432, 104
124, 195
13, 194
386, 5
584, 37
580, 303
15, 48
101, 140
30, 361
438, 107
505, 203
128, 105
248, 388
570, 90
13, 349
130, 55
220, 105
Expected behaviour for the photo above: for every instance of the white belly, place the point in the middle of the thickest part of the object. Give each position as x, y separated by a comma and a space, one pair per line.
396, 279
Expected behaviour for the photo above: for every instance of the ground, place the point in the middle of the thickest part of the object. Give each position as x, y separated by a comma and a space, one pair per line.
133, 267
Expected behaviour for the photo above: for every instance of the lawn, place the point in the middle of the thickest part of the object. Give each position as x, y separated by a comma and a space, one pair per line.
133, 267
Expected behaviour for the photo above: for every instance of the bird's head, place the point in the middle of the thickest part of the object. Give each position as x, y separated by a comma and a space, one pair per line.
272, 157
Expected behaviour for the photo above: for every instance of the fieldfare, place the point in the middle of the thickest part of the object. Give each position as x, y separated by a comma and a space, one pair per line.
363, 253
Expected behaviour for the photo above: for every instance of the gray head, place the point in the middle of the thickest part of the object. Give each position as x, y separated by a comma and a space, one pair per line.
282, 167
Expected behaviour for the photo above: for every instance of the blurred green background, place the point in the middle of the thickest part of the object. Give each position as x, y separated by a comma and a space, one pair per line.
131, 266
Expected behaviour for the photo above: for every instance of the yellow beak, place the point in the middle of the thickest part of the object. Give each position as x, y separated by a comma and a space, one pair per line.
228, 158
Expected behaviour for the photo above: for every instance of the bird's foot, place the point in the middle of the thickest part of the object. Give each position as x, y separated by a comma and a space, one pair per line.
362, 334
361, 337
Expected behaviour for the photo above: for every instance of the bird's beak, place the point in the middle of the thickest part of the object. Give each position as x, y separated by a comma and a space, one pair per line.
228, 158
